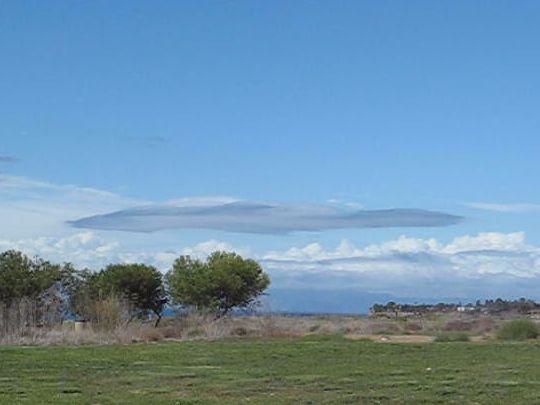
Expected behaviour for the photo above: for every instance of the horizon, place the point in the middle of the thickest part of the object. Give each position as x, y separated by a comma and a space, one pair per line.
355, 149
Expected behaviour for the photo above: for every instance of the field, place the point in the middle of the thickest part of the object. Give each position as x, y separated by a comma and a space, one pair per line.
301, 370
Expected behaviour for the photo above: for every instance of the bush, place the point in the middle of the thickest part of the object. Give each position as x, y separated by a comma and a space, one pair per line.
520, 329
484, 325
314, 328
170, 332
452, 337
108, 314
413, 327
151, 335
457, 326
384, 328
240, 331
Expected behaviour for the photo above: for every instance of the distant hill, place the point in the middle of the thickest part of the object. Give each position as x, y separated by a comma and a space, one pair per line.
306, 301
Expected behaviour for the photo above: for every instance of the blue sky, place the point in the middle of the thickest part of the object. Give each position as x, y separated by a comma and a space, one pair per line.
348, 106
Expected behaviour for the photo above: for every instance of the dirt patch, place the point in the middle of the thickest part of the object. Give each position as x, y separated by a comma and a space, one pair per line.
393, 338
482, 338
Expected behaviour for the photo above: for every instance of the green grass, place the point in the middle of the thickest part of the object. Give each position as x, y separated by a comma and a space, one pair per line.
310, 370
452, 337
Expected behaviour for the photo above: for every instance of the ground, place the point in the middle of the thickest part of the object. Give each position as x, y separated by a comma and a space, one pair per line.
305, 370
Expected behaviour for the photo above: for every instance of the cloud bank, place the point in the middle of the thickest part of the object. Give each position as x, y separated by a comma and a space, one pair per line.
483, 265
88, 250
470, 266
260, 217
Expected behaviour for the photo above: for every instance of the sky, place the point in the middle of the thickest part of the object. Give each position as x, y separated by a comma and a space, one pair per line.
352, 147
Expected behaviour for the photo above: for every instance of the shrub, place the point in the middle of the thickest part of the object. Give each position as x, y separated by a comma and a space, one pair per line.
276, 326
240, 331
108, 314
314, 328
151, 335
457, 326
484, 325
194, 333
452, 337
520, 329
384, 328
170, 332
413, 327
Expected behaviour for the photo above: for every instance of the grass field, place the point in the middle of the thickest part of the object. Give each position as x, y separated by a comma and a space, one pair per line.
308, 370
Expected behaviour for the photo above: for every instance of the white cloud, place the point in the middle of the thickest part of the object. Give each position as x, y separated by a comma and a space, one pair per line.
83, 249
480, 265
504, 242
203, 249
88, 250
200, 201
477, 265
349, 204
511, 208
487, 262
484, 241
29, 207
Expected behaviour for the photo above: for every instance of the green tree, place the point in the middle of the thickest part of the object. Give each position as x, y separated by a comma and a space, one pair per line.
21, 276
36, 280
139, 284
225, 281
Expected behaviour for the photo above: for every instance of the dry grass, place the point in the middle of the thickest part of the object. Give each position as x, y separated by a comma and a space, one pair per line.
112, 329
66, 335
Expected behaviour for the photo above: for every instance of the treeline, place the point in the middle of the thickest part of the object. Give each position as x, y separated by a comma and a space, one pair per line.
35, 292
497, 306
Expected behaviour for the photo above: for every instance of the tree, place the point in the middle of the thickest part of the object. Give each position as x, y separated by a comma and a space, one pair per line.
35, 280
139, 284
83, 291
21, 276
225, 281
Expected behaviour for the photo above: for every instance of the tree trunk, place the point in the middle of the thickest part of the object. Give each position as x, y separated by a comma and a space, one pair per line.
158, 319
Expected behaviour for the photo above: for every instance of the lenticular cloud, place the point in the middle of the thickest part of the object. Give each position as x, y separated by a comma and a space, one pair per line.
260, 217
